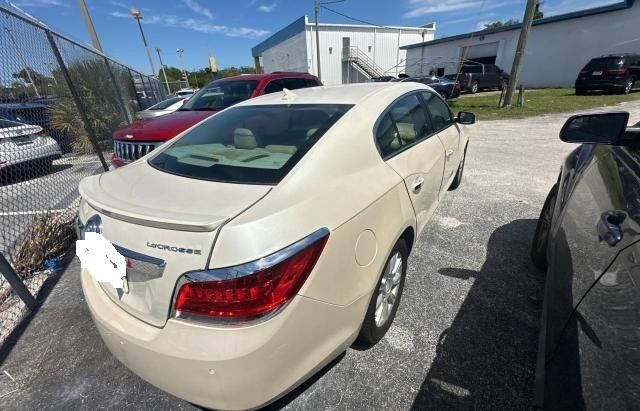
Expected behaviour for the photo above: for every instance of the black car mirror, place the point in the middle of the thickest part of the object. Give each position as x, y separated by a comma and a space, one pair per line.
466, 117
603, 128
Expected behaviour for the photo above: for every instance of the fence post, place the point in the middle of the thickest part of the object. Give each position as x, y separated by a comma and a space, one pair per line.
76, 98
115, 84
16, 284
135, 90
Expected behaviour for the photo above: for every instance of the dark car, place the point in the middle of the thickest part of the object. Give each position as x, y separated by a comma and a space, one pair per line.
36, 114
474, 77
614, 73
381, 79
588, 241
448, 89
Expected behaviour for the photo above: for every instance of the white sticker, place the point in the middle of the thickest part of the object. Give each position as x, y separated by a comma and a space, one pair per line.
99, 257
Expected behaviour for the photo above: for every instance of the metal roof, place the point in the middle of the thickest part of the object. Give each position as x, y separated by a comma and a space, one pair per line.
626, 4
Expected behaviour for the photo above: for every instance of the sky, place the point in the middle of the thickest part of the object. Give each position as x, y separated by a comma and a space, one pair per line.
228, 29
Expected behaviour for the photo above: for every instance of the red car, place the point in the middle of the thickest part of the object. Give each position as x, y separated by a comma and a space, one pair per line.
140, 137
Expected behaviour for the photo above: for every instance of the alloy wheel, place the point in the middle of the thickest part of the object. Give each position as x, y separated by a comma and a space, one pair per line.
629, 86
388, 290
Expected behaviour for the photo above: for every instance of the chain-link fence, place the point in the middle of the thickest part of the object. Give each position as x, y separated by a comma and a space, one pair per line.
60, 102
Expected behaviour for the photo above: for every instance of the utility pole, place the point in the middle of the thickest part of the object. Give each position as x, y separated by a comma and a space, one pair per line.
532, 6
184, 72
89, 23
164, 73
137, 14
315, 12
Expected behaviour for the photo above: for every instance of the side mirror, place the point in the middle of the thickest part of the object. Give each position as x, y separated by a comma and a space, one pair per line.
465, 117
603, 128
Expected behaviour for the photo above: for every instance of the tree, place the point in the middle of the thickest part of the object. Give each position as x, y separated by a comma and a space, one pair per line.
497, 24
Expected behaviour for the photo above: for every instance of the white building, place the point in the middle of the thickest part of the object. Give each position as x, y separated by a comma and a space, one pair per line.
348, 53
558, 46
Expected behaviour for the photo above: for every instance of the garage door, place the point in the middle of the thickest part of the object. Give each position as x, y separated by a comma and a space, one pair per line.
482, 53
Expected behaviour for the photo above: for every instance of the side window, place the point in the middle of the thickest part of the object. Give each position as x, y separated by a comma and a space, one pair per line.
293, 83
273, 86
309, 82
405, 123
440, 113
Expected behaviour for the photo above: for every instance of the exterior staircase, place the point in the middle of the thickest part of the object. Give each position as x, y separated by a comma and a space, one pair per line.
361, 61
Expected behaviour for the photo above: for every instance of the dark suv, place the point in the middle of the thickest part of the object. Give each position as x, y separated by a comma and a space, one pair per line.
474, 77
615, 73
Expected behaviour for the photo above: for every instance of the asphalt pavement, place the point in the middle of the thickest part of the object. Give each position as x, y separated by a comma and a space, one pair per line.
465, 335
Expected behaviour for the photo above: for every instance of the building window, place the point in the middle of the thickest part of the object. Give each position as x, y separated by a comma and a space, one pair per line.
369, 49
330, 50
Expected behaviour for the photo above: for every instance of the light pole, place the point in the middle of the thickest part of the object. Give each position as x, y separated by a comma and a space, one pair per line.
89, 23
184, 72
164, 73
137, 14
23, 61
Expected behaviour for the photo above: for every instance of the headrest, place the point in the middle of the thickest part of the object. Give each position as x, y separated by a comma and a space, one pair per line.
243, 138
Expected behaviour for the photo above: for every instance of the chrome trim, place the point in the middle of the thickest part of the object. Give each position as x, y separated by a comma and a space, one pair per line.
140, 257
239, 271
129, 151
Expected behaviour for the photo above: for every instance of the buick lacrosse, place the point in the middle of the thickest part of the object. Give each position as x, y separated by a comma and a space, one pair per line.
241, 257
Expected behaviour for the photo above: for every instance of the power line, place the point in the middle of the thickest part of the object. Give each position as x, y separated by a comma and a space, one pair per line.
332, 2
352, 18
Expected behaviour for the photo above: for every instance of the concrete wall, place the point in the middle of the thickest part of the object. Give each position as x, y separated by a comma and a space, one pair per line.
555, 52
289, 55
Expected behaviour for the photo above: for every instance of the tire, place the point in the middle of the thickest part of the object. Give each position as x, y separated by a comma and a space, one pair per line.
375, 325
541, 236
580, 92
444, 95
503, 84
629, 87
475, 87
458, 178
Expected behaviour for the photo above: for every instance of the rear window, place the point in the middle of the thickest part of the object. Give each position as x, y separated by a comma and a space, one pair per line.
166, 103
471, 69
250, 145
220, 95
609, 63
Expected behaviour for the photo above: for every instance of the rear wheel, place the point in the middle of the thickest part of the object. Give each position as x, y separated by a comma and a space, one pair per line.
504, 84
580, 92
386, 296
541, 237
444, 94
475, 87
629, 86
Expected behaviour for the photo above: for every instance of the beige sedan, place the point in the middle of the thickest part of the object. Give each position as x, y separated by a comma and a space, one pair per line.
257, 246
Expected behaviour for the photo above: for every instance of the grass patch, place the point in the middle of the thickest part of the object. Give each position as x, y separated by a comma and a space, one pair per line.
538, 102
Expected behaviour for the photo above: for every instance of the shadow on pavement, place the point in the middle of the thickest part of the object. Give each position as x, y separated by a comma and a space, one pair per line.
486, 359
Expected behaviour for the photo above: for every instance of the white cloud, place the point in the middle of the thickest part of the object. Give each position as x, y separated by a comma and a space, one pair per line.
566, 6
420, 8
198, 25
198, 9
41, 3
120, 4
267, 8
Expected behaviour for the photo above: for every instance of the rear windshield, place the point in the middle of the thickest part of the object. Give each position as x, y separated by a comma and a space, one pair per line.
608, 63
220, 95
250, 145
166, 103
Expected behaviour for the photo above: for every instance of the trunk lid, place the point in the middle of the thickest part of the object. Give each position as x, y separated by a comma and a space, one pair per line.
164, 225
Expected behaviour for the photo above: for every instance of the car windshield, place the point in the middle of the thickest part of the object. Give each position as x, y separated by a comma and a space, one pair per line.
251, 144
220, 95
166, 103
608, 63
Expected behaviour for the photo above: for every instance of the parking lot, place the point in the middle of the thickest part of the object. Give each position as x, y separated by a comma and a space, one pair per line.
465, 335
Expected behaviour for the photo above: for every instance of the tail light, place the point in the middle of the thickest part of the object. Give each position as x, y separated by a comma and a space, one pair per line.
618, 72
251, 290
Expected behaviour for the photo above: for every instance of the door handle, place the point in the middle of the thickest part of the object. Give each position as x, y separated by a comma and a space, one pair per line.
417, 184
610, 227
448, 153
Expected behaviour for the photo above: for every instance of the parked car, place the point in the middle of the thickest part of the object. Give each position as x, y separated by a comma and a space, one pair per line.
614, 73
185, 92
448, 89
164, 107
474, 77
141, 137
587, 241
259, 265
381, 79
25, 145
36, 114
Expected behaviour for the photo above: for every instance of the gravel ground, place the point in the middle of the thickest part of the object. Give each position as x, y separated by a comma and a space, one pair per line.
464, 336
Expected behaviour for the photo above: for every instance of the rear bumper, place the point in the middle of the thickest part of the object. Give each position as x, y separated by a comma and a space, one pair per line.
227, 367
601, 85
